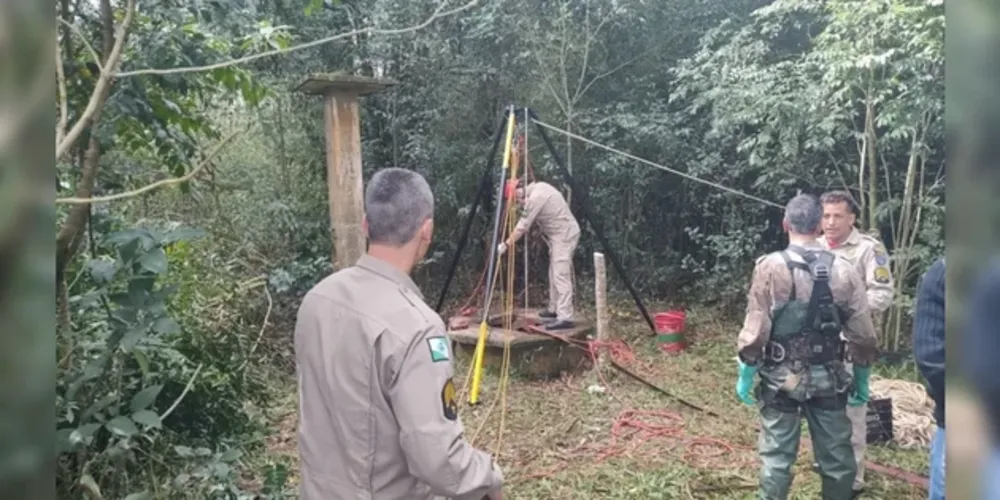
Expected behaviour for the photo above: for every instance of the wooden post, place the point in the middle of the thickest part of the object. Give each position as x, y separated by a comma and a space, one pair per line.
343, 158
601, 304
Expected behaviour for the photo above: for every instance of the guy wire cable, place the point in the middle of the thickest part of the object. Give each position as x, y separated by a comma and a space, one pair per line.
657, 165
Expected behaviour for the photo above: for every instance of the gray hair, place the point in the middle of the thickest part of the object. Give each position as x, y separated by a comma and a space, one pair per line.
397, 202
803, 214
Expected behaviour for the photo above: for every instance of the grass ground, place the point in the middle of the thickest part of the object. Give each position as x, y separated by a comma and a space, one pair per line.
561, 440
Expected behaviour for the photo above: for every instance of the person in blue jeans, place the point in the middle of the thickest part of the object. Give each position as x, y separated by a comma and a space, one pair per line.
981, 353
928, 349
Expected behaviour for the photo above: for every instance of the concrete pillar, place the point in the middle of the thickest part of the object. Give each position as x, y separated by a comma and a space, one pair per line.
343, 158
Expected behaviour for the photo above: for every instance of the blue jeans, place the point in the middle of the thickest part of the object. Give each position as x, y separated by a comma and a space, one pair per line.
936, 491
990, 476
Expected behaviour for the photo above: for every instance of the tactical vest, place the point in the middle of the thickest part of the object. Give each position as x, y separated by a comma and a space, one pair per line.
807, 333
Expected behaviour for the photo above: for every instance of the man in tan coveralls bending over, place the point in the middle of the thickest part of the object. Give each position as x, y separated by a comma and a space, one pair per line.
545, 204
872, 262
378, 411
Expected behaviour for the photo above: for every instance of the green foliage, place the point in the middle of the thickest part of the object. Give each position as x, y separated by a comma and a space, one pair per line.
149, 368
766, 97
158, 121
789, 91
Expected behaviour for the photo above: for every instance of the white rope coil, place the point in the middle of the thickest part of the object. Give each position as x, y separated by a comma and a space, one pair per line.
912, 410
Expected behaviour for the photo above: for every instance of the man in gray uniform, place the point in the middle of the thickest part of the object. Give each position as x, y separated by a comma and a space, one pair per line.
378, 411
545, 205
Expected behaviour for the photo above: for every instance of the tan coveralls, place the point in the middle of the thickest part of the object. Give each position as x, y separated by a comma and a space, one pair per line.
378, 414
546, 205
872, 262
771, 288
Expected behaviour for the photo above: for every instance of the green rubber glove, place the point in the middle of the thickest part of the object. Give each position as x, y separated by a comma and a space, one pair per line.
860, 395
745, 383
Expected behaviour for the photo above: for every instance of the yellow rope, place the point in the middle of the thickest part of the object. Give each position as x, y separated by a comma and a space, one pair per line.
489, 412
508, 223
484, 327
504, 373
468, 376
508, 318
487, 293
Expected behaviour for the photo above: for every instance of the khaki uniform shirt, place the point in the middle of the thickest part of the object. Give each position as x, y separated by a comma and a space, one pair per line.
771, 287
545, 204
378, 415
872, 262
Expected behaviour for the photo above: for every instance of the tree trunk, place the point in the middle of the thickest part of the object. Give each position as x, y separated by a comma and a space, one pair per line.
68, 237
908, 226
871, 160
68, 240
569, 156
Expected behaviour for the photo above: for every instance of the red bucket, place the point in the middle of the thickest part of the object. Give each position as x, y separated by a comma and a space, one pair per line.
670, 330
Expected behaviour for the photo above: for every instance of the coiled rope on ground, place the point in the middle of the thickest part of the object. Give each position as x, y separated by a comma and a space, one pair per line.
912, 410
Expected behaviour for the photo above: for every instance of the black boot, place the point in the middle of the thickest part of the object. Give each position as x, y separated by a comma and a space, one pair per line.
559, 325
546, 314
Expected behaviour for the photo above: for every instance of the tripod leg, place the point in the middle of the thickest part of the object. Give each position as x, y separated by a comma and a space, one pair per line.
484, 186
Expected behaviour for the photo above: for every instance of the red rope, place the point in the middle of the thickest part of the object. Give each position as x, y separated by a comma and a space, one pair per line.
639, 427
636, 427
465, 310
631, 425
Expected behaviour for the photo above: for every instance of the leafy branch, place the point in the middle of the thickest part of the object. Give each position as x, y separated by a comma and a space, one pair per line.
83, 38
438, 13
254, 283
187, 389
102, 88
158, 184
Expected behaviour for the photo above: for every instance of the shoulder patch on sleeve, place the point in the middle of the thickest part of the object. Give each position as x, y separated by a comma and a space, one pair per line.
882, 275
449, 403
880, 253
439, 348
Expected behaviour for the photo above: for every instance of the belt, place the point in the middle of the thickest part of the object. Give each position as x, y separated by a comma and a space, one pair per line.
812, 348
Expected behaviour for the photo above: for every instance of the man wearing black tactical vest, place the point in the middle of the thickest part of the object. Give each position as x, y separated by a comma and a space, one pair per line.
800, 301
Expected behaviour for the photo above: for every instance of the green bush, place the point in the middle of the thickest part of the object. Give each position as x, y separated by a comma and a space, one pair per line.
156, 383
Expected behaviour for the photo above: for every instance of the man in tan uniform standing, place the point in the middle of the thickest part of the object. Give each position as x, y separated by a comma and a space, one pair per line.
378, 412
872, 262
802, 302
544, 204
